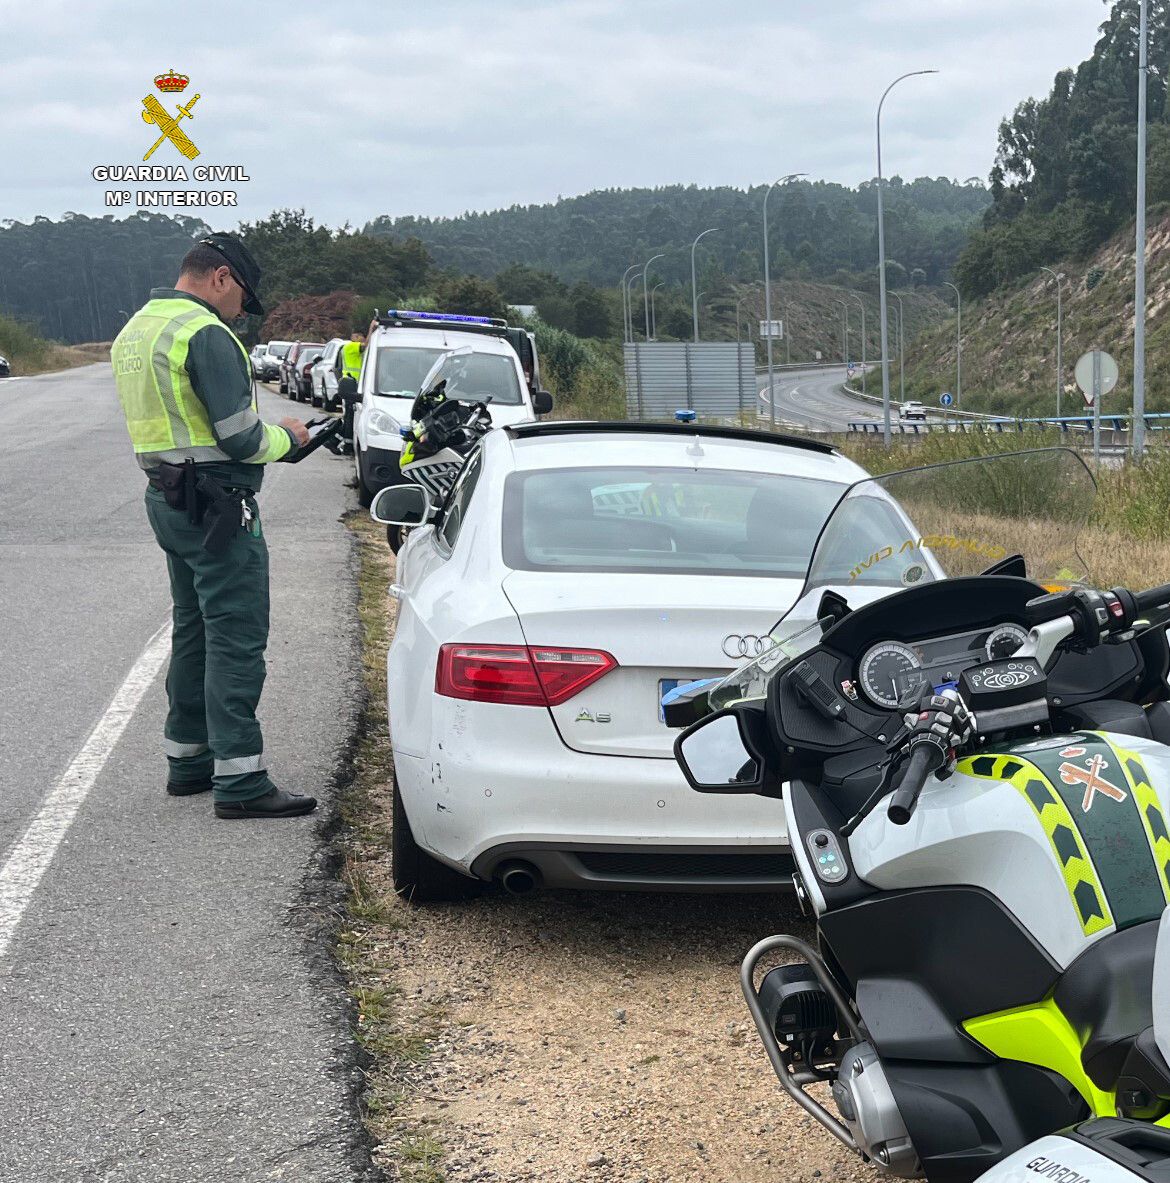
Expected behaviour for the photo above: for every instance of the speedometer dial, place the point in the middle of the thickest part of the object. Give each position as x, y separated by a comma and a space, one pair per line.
1004, 641
888, 672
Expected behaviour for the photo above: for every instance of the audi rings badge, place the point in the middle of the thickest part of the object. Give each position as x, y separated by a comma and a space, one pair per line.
746, 645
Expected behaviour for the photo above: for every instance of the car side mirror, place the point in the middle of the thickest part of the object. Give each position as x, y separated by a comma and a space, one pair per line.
542, 402
719, 755
402, 505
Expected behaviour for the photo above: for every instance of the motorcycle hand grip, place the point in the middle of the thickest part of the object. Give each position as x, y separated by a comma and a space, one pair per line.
924, 759
1155, 597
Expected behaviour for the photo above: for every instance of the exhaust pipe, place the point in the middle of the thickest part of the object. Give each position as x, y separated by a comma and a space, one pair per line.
517, 878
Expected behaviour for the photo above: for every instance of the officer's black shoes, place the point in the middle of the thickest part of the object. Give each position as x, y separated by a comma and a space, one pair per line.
190, 788
275, 803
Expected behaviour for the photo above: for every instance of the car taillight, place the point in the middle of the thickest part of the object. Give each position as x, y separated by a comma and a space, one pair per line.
518, 675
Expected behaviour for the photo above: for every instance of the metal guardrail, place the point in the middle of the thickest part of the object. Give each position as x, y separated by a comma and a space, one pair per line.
1071, 424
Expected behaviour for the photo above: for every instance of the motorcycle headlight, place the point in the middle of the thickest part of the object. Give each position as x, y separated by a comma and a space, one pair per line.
383, 423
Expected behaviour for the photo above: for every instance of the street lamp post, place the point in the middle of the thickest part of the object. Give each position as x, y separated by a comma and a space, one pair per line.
694, 285
844, 332
882, 258
958, 343
653, 316
645, 292
861, 305
1059, 343
787, 333
627, 323
901, 347
768, 284
1139, 277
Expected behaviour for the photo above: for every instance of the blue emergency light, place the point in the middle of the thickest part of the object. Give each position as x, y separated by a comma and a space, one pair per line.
453, 317
685, 416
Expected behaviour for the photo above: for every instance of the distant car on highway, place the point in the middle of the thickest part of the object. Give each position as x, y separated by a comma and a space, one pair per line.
325, 373
912, 410
574, 574
5, 368
273, 355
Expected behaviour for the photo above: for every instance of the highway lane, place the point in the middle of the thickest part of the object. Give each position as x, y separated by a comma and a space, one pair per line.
170, 1011
813, 399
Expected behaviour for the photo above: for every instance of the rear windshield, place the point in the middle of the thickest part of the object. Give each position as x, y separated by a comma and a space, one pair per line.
674, 521
481, 377
279, 348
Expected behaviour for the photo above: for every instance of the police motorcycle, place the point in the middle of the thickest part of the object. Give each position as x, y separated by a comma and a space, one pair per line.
969, 746
447, 420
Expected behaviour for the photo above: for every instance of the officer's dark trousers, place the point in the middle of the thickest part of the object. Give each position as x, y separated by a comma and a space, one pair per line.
217, 654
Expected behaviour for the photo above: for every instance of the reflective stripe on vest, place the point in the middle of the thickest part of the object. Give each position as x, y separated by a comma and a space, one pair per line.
351, 360
165, 417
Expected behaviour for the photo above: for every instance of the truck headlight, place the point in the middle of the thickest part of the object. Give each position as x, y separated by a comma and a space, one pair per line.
383, 423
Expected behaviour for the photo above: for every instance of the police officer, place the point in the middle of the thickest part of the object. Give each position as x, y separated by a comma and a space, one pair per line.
351, 356
184, 381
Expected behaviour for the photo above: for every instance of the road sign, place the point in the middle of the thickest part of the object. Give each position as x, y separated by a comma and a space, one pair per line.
772, 328
1096, 375
1095, 370
852, 369
945, 399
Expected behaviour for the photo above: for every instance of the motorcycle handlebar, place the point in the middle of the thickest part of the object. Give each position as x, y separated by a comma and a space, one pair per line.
1154, 598
925, 758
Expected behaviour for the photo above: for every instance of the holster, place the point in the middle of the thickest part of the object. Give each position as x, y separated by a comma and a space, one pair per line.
178, 484
222, 515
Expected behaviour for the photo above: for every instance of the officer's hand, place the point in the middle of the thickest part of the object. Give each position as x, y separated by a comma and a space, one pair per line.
298, 429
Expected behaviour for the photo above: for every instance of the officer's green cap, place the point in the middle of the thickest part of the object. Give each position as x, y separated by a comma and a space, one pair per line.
245, 269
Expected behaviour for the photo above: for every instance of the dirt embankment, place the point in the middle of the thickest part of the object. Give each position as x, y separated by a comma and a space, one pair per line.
559, 1037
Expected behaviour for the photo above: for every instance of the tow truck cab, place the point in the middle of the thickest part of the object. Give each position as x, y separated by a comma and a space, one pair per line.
398, 355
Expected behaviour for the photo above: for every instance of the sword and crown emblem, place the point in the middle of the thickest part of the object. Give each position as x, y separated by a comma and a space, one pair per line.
154, 112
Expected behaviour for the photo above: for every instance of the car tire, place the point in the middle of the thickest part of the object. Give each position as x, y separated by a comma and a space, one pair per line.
417, 877
365, 493
395, 537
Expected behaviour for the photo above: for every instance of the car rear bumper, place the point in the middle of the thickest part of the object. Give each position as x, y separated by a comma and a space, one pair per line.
626, 867
501, 786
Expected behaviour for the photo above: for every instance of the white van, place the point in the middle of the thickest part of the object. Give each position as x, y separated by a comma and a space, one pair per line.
398, 354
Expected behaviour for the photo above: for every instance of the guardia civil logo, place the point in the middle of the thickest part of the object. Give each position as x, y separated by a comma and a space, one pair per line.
170, 83
174, 137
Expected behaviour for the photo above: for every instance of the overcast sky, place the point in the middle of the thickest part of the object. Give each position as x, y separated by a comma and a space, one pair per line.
442, 106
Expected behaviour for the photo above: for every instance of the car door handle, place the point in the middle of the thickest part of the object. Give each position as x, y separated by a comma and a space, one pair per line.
396, 591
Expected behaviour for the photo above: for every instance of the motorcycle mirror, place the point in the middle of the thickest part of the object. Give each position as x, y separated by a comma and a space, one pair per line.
402, 505
717, 756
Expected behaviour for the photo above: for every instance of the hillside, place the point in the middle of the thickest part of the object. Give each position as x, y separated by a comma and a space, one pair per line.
817, 230
1009, 337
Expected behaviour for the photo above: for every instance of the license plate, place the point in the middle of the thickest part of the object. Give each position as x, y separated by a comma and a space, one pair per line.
666, 685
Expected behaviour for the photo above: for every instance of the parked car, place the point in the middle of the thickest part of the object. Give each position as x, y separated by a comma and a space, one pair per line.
325, 376
256, 357
273, 355
398, 355
912, 410
289, 365
575, 573
5, 368
299, 380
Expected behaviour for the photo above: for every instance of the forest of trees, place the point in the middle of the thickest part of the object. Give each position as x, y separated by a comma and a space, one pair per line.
818, 231
1065, 169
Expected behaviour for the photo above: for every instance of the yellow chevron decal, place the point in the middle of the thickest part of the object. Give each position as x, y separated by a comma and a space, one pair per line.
1149, 808
1080, 876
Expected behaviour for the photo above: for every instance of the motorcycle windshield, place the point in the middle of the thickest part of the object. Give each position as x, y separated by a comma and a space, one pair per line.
922, 525
445, 367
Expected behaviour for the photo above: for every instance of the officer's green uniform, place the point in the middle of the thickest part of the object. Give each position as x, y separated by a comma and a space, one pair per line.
351, 360
184, 381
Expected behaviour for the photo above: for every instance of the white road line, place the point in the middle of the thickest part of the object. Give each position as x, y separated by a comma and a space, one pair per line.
31, 856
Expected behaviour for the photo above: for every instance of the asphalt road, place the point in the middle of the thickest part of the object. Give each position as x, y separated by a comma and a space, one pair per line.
813, 399
169, 1010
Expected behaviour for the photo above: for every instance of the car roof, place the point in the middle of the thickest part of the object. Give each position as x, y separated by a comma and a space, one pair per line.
440, 339
668, 445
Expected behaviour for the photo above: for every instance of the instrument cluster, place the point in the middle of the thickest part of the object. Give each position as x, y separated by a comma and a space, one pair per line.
892, 672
